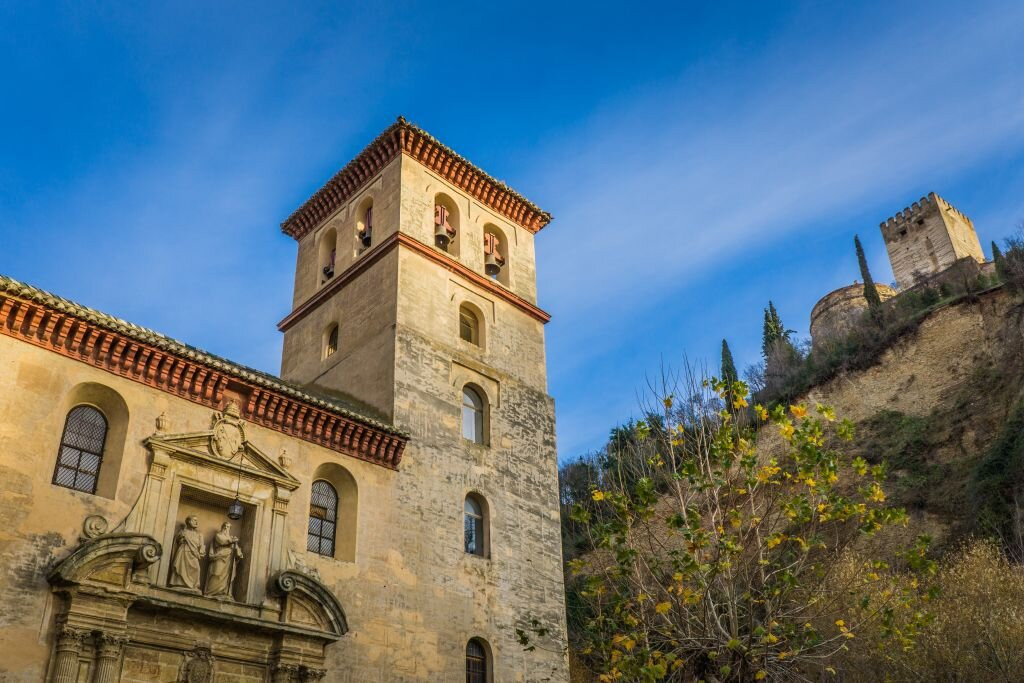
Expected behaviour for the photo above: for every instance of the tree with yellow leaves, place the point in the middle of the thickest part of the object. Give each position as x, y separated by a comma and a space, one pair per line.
718, 563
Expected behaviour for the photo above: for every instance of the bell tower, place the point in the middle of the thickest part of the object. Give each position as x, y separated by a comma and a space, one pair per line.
415, 296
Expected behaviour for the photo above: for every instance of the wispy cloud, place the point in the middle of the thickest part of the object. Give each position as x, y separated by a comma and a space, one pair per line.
692, 172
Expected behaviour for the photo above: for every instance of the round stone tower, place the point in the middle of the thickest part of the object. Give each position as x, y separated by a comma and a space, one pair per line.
840, 311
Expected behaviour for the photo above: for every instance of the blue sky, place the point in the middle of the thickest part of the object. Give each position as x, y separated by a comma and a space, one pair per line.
698, 160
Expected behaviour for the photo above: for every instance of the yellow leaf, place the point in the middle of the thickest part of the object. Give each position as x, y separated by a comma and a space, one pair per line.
761, 675
598, 495
877, 494
798, 411
662, 607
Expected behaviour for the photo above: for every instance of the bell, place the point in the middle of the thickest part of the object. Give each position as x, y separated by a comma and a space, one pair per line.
364, 237
441, 237
491, 265
235, 510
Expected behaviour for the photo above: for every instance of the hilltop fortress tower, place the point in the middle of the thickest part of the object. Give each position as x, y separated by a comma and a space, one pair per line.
928, 237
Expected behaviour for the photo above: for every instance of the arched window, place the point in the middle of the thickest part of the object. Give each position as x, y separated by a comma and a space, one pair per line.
475, 525
469, 325
328, 254
495, 254
331, 342
472, 415
446, 224
364, 224
323, 518
81, 449
477, 662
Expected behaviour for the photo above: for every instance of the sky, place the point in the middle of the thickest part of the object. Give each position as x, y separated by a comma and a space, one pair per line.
698, 160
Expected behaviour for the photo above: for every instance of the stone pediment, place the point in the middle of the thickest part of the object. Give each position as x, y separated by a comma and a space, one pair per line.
223, 446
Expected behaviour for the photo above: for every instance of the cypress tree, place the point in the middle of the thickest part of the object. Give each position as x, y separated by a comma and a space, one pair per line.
870, 291
774, 331
1000, 261
768, 335
729, 373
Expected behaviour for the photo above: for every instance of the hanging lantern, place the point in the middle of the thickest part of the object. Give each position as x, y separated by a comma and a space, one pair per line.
236, 509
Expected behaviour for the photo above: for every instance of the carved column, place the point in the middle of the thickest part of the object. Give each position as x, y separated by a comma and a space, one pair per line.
285, 673
311, 675
67, 652
109, 649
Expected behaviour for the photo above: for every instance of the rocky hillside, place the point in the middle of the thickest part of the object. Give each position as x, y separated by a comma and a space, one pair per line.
942, 407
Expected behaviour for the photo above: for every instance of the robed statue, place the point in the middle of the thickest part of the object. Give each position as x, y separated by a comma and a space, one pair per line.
225, 554
189, 549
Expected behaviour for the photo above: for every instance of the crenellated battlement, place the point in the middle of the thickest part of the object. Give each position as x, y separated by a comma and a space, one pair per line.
919, 210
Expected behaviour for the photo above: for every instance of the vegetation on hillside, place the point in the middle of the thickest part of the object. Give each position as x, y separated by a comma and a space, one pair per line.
697, 559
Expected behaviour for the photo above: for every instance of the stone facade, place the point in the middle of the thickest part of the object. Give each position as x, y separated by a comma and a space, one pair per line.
928, 237
87, 575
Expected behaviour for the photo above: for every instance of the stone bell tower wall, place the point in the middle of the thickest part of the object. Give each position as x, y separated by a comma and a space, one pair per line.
363, 365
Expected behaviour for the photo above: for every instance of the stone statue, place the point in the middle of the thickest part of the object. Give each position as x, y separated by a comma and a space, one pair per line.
224, 557
188, 550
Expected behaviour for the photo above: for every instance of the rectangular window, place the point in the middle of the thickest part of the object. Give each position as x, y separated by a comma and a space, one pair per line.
467, 327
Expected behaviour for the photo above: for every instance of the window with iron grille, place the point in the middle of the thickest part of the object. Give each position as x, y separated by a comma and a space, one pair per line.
476, 662
81, 449
323, 518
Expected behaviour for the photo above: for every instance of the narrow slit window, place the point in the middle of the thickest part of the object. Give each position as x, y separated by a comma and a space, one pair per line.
332, 342
469, 326
472, 415
473, 526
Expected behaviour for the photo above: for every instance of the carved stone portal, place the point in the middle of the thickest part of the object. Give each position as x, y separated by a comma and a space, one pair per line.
230, 590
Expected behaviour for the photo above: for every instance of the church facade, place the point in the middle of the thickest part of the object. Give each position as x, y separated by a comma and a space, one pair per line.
385, 510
